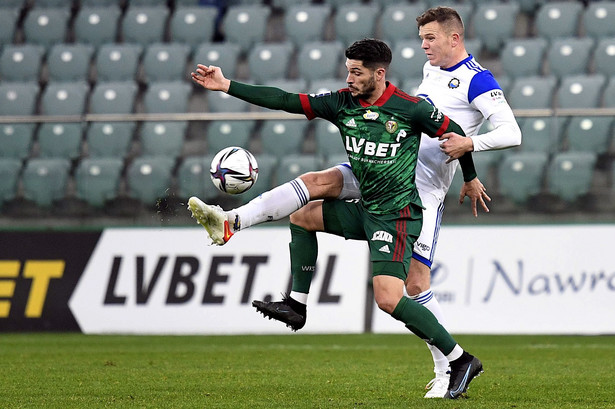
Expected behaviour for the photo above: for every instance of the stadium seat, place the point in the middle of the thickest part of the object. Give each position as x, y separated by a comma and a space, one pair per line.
581, 90
410, 84
223, 55
355, 21
483, 162
192, 25
8, 23
16, 140
97, 25
541, 134
46, 26
297, 86
604, 57
193, 178
568, 56
60, 140
97, 180
523, 57
294, 165
246, 25
167, 97
398, 22
474, 46
221, 134
163, 138
408, 59
328, 140
149, 179
64, 98
494, 23
154, 3
532, 92
45, 181
21, 62
113, 97
318, 60
100, 3
326, 85
117, 62
165, 62
589, 134
266, 171
9, 178
520, 175
18, 98
267, 61
306, 23
109, 139
283, 137
558, 19
609, 94
598, 19
223, 102
144, 25
570, 174
69, 62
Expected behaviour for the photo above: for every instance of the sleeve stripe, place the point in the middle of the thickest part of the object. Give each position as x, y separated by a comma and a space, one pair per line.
444, 127
307, 108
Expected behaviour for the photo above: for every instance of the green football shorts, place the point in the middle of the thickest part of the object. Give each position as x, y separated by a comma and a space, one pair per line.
390, 236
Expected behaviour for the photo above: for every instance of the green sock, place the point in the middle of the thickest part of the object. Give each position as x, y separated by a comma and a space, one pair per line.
424, 324
303, 254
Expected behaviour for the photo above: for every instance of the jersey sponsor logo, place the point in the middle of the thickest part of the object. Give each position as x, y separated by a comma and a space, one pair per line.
372, 116
423, 246
351, 123
497, 95
380, 149
382, 235
391, 126
385, 249
454, 83
322, 94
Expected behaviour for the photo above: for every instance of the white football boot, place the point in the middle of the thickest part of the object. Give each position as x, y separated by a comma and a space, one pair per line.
438, 386
212, 218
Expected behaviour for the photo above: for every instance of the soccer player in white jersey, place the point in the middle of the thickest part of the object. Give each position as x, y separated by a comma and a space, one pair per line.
462, 89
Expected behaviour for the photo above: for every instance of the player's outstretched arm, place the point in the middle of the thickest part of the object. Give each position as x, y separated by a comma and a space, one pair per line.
211, 78
477, 193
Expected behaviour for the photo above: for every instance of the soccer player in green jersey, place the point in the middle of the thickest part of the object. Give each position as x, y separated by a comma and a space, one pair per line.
381, 128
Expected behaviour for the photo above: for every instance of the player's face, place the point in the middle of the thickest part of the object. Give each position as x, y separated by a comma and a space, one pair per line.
361, 81
437, 45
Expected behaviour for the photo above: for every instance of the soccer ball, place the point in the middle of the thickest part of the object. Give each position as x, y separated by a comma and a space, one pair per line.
234, 170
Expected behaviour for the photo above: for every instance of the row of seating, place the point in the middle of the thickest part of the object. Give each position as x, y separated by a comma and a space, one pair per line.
96, 181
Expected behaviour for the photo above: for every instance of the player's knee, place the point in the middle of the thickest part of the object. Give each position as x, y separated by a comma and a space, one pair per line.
323, 184
309, 217
386, 303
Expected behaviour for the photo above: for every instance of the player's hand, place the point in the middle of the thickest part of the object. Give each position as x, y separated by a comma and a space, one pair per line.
475, 190
455, 145
211, 78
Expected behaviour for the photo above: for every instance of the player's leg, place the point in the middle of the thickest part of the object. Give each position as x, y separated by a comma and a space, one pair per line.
274, 204
419, 289
389, 273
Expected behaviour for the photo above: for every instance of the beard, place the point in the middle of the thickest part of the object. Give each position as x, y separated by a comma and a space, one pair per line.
368, 89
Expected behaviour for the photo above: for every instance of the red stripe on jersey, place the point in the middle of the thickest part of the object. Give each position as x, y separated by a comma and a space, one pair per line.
307, 108
403, 95
388, 92
400, 241
444, 126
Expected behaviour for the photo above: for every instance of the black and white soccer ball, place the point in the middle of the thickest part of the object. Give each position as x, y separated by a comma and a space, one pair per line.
234, 170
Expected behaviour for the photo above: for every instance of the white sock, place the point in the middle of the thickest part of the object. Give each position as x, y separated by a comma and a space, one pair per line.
299, 297
429, 301
274, 204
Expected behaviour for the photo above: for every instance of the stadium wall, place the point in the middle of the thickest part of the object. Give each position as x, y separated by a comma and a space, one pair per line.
552, 279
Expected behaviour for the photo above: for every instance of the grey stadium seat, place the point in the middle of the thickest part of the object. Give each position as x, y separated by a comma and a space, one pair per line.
520, 175
494, 23
163, 138
532, 92
598, 19
224, 55
408, 59
64, 98
568, 56
523, 57
117, 62
165, 61
167, 97
9, 177
144, 25
558, 19
604, 57
149, 179
21, 62
283, 137
306, 23
317, 60
398, 22
97, 180
267, 61
45, 180
60, 140
46, 26
589, 134
97, 25
18, 98
193, 25
581, 90
69, 62
570, 174
8, 23
355, 21
113, 97
16, 140
246, 25
109, 139
221, 134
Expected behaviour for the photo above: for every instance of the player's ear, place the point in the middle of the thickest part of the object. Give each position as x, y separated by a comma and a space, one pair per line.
380, 73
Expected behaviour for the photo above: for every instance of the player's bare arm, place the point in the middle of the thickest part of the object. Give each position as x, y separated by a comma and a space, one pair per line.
455, 145
477, 193
211, 78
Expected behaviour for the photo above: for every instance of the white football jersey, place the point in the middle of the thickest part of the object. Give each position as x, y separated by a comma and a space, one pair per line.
468, 94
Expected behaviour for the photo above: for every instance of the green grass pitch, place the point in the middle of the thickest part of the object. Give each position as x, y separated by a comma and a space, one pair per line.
43, 370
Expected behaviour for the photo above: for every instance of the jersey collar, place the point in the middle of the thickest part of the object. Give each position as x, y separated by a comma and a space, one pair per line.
459, 64
388, 92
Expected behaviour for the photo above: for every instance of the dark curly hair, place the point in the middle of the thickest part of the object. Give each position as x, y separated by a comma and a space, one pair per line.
372, 52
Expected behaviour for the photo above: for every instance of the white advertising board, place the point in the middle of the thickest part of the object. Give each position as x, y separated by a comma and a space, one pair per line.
523, 280
168, 281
